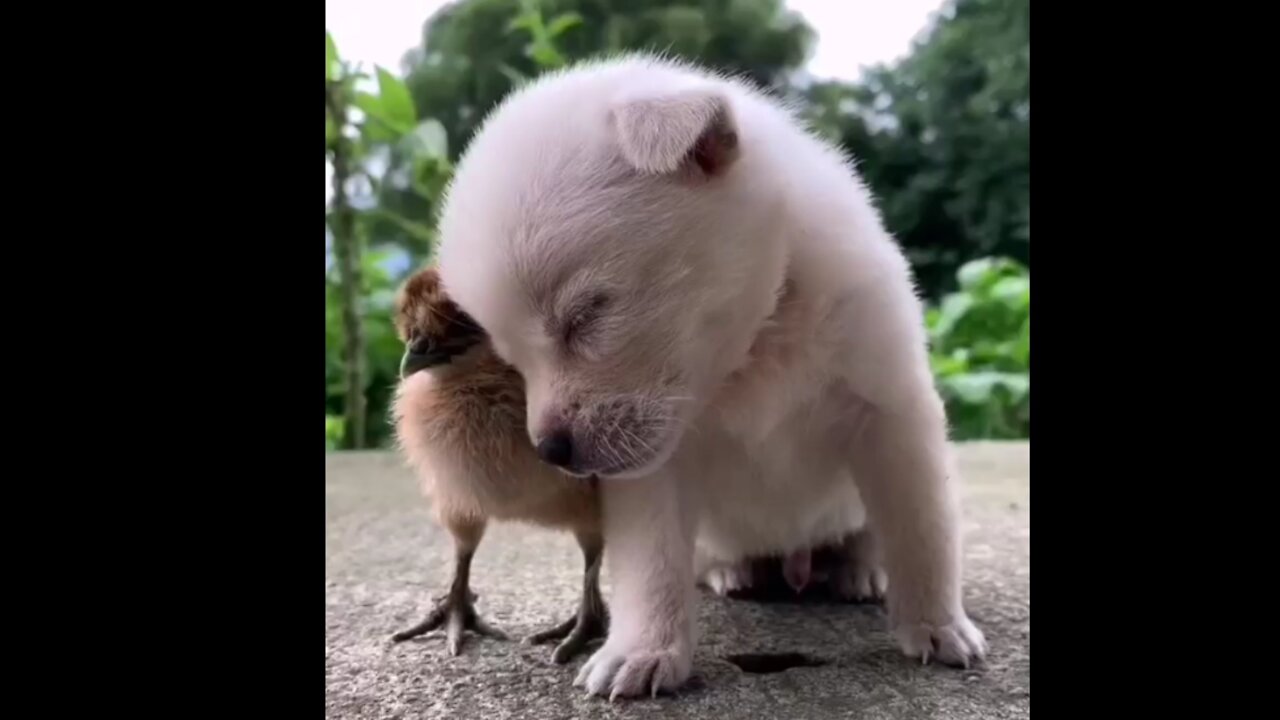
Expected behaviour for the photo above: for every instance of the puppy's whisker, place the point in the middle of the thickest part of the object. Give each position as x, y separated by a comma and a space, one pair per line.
614, 455
636, 440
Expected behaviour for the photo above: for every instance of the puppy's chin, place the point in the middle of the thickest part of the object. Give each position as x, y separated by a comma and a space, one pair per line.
640, 471
577, 474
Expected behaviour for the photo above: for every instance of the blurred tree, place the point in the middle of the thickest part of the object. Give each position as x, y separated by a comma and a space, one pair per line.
470, 48
475, 51
343, 153
361, 128
944, 138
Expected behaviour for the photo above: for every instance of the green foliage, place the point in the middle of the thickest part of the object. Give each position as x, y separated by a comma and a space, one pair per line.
382, 346
475, 51
981, 350
542, 37
358, 319
330, 58
333, 427
944, 138
395, 105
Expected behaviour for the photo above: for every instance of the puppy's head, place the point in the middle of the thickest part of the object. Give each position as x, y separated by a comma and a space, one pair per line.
610, 229
434, 329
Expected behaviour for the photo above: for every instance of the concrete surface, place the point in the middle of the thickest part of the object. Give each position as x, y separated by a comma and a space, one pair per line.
385, 560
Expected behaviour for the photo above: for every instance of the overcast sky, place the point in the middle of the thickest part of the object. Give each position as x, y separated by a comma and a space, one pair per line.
852, 34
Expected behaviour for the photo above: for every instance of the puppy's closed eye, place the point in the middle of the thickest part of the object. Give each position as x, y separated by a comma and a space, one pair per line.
584, 315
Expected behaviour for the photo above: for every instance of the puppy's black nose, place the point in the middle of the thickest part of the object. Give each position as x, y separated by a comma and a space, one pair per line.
556, 449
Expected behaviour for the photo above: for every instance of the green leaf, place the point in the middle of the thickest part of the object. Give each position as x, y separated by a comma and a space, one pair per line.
429, 177
334, 428
946, 365
954, 308
545, 55
526, 21
563, 23
981, 387
376, 128
428, 140
369, 104
1018, 384
967, 388
330, 130
415, 229
397, 104
971, 273
378, 132
516, 77
931, 317
1013, 291
373, 264
985, 272
1022, 348
330, 58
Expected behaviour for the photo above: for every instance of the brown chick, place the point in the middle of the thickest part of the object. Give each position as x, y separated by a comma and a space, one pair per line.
460, 421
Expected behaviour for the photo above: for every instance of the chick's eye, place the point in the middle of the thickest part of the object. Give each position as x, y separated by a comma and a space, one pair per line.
420, 345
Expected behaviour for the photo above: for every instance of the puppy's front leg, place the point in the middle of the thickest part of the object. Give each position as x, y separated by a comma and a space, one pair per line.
903, 468
648, 531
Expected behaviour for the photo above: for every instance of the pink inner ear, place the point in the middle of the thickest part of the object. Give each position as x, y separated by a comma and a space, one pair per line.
715, 149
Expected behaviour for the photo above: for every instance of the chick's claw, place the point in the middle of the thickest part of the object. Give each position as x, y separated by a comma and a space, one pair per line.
575, 634
457, 614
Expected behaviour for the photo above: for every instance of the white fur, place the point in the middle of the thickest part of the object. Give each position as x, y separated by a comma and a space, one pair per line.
761, 347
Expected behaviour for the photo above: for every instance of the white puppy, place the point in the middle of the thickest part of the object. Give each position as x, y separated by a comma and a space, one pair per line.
709, 315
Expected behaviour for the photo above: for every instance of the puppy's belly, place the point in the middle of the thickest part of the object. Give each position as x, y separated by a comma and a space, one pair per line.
755, 503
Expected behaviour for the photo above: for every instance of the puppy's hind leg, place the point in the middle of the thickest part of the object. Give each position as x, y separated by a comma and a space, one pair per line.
592, 620
456, 610
857, 574
727, 578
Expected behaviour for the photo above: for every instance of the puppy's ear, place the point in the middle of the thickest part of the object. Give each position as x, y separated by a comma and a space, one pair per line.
690, 130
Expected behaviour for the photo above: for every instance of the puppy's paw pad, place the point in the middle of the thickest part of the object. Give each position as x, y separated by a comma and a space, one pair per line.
958, 643
619, 673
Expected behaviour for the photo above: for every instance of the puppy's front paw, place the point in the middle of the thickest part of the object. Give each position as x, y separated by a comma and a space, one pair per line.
957, 643
630, 669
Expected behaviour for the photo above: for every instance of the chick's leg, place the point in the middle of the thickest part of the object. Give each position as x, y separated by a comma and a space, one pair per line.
456, 610
592, 620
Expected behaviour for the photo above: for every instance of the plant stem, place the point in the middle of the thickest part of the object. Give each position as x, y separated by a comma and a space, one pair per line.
347, 254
